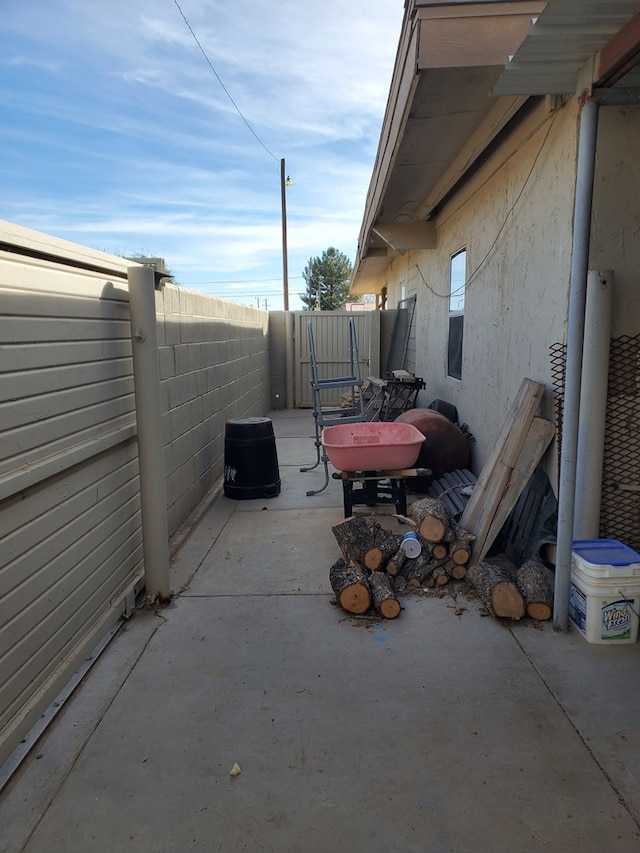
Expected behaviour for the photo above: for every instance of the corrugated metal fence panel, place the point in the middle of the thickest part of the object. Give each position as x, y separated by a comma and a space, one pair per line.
70, 535
331, 336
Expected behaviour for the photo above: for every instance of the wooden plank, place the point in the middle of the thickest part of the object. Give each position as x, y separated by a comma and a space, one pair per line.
538, 439
494, 477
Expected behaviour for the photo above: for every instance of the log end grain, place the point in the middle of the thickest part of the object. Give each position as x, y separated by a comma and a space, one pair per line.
373, 558
390, 608
506, 601
539, 611
355, 599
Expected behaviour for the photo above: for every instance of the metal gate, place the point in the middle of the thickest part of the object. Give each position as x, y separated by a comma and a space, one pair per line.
331, 335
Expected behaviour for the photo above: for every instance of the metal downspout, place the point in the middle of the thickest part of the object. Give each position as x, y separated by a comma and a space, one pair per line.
146, 378
575, 338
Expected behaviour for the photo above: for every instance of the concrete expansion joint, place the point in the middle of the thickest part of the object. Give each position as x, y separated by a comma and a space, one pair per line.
287, 594
556, 699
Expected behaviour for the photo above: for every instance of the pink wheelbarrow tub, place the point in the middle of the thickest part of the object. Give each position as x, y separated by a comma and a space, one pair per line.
384, 446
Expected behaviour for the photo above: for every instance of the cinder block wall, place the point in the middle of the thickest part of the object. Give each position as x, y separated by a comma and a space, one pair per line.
214, 366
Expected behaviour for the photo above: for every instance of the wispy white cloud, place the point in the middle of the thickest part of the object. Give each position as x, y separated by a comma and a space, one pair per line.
116, 132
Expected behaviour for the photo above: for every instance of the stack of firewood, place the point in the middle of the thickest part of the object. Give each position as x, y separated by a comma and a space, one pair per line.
374, 567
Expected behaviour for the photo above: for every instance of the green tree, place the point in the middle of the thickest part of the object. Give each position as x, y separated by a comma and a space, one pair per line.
327, 278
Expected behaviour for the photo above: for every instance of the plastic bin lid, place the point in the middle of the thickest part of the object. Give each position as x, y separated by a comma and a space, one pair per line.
605, 552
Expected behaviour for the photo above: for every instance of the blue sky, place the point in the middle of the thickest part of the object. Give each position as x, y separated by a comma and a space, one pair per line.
115, 133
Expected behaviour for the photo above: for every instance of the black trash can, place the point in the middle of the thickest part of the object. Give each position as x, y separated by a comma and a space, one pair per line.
250, 459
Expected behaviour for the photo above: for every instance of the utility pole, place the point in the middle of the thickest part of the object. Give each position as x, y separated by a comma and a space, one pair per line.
285, 264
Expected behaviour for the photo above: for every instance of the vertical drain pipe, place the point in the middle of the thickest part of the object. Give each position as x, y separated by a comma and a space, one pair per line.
593, 404
146, 378
575, 340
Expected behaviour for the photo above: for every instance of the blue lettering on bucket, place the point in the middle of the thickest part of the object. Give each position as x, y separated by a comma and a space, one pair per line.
616, 620
578, 607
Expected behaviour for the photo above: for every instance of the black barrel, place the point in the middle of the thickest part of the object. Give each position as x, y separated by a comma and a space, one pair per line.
250, 459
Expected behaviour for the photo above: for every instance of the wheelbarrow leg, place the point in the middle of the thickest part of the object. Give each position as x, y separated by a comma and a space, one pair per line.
325, 461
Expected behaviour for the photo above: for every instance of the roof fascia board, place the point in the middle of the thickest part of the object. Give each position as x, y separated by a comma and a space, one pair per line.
403, 86
478, 8
473, 35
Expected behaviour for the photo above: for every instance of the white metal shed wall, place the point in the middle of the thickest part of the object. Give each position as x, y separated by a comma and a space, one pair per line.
70, 538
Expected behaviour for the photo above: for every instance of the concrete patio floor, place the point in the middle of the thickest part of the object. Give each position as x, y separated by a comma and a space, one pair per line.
440, 731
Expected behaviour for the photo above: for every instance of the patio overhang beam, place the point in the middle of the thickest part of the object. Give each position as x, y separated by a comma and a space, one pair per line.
370, 274
403, 236
620, 55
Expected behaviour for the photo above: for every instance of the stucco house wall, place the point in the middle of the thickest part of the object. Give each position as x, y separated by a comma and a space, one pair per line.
514, 219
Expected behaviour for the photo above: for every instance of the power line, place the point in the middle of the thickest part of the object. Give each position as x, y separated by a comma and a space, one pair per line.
244, 280
226, 91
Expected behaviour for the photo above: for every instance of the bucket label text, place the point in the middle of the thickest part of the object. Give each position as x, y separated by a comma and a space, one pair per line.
617, 620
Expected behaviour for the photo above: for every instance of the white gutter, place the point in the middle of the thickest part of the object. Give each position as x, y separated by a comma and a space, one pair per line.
146, 377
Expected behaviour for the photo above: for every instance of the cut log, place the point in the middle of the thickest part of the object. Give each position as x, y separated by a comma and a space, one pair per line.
356, 537
439, 551
399, 583
418, 568
497, 591
387, 543
395, 564
432, 518
460, 545
384, 598
350, 583
536, 582
457, 571
440, 576
363, 540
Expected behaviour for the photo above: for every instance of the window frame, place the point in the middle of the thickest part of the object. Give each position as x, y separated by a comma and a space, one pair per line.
455, 325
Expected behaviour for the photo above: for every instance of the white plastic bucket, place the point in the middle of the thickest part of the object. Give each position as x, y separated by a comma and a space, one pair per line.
604, 610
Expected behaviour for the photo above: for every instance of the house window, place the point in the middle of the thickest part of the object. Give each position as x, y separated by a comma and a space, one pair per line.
457, 276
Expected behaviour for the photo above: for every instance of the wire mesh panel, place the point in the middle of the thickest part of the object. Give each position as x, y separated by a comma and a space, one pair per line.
620, 505
401, 336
